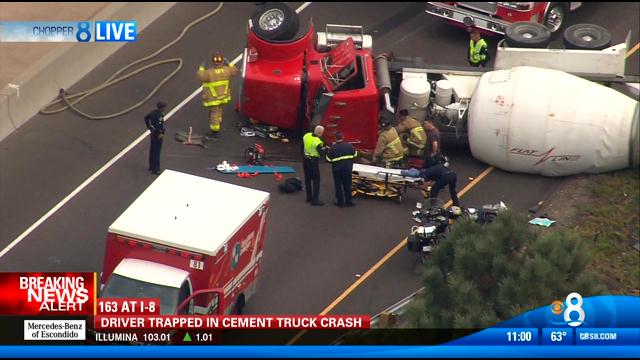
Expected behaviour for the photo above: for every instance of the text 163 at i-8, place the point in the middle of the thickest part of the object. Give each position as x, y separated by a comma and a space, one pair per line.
128, 306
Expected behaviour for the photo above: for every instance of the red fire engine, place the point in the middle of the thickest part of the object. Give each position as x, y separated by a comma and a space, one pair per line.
194, 243
495, 17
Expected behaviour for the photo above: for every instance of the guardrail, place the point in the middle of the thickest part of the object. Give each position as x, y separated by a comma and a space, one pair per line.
390, 317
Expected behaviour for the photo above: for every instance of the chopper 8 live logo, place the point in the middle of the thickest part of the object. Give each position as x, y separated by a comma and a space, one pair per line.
47, 293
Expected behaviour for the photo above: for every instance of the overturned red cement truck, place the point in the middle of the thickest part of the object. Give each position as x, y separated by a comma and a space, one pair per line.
536, 112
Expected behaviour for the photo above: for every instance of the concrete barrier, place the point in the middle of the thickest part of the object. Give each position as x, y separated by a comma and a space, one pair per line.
66, 65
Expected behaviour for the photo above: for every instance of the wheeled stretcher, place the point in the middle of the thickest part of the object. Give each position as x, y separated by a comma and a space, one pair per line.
382, 182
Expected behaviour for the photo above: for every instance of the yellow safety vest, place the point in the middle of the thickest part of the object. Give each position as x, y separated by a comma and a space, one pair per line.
311, 143
474, 51
420, 137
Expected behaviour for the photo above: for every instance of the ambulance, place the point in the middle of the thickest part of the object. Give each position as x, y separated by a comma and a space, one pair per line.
194, 243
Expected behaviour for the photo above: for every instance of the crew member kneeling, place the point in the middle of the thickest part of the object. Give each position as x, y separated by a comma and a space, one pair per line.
389, 148
411, 133
441, 176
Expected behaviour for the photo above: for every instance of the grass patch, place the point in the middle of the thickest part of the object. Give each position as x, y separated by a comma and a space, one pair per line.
611, 221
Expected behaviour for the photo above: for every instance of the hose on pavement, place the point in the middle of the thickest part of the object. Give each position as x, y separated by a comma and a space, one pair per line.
69, 101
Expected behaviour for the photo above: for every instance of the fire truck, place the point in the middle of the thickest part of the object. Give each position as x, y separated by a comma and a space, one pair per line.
194, 243
495, 17
536, 112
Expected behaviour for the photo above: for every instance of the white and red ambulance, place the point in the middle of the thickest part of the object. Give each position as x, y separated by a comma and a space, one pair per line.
194, 243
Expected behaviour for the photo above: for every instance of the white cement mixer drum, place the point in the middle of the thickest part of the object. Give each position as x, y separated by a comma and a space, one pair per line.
552, 123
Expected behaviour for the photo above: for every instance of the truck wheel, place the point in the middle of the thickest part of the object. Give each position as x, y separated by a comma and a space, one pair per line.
238, 308
587, 37
555, 18
293, 28
528, 35
275, 21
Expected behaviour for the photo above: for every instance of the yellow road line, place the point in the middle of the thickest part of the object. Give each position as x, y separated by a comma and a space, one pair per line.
384, 259
364, 277
634, 49
474, 182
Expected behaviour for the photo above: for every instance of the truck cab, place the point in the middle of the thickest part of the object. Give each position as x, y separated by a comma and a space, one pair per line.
323, 79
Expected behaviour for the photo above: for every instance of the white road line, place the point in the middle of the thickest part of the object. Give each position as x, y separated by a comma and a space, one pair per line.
302, 7
106, 166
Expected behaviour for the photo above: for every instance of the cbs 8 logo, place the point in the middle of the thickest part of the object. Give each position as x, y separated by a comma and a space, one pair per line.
571, 308
84, 31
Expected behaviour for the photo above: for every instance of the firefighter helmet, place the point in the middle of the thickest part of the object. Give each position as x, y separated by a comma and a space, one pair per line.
217, 58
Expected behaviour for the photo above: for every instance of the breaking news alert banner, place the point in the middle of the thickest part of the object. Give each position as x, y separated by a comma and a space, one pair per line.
42, 309
47, 294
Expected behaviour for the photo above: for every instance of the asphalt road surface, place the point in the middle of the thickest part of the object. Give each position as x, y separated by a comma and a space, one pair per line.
312, 254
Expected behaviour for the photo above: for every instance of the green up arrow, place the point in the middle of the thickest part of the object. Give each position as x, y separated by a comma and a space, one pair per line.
187, 338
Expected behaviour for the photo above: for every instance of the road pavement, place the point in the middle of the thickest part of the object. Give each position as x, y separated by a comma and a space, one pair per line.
312, 254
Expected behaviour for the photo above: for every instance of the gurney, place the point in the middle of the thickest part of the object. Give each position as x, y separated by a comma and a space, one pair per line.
382, 182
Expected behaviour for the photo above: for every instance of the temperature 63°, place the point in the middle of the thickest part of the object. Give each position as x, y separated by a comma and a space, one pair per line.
558, 336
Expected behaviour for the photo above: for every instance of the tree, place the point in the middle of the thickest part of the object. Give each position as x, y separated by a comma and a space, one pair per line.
485, 274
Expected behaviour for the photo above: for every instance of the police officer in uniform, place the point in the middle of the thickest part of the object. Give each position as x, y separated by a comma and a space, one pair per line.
155, 123
313, 147
341, 156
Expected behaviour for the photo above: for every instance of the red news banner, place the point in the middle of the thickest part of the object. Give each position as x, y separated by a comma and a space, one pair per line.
143, 314
231, 322
47, 294
74, 294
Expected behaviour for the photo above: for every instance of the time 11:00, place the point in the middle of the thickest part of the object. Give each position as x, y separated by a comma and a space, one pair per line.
519, 336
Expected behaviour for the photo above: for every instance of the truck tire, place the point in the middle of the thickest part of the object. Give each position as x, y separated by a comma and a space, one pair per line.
587, 37
275, 21
293, 28
238, 307
556, 17
527, 35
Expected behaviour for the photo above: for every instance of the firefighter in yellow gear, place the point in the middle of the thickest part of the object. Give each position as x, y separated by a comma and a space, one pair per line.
389, 148
215, 89
411, 133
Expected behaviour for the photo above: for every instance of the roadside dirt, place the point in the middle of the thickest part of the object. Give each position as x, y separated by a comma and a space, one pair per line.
604, 212
565, 204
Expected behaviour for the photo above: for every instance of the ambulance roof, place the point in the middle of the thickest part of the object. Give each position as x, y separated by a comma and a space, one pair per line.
189, 212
